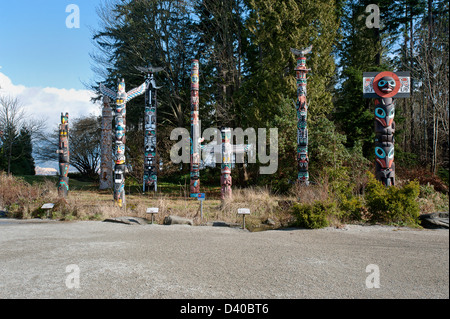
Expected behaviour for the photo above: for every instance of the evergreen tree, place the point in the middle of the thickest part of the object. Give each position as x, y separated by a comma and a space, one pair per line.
143, 33
275, 27
18, 158
362, 49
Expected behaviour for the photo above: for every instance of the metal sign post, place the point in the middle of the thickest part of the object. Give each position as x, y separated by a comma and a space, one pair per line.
47, 207
152, 210
243, 212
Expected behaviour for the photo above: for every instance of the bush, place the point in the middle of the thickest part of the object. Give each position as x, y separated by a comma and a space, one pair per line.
353, 209
431, 201
443, 173
314, 215
397, 205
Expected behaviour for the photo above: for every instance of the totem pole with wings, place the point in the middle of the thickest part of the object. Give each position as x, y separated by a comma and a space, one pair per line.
121, 97
150, 124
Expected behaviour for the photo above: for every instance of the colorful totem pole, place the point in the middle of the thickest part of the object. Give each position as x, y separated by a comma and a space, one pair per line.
121, 97
63, 151
302, 111
227, 153
106, 168
150, 168
384, 86
195, 131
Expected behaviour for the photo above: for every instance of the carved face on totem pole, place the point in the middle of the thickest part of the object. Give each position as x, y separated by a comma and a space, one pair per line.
385, 155
386, 84
121, 86
384, 113
121, 98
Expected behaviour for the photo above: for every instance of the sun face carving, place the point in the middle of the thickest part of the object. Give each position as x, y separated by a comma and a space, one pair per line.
386, 84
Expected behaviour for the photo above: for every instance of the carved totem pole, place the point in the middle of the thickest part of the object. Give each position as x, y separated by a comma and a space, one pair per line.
384, 86
106, 167
150, 167
63, 151
121, 97
195, 131
302, 111
227, 153
224, 154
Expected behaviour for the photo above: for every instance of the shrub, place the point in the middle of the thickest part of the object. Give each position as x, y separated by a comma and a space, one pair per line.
397, 205
314, 215
431, 200
352, 209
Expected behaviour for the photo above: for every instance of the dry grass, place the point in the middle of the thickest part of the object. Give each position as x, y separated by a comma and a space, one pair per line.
310, 194
23, 200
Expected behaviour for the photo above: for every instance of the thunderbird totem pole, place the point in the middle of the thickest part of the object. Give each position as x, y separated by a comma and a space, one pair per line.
150, 168
195, 131
121, 97
302, 111
106, 168
384, 86
63, 151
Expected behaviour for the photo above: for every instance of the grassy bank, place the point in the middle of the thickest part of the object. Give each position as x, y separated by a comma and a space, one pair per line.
310, 207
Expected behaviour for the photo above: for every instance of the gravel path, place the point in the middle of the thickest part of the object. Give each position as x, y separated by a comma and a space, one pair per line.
156, 261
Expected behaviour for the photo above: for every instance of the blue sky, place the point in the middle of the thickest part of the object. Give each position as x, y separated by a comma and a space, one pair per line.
36, 47
43, 63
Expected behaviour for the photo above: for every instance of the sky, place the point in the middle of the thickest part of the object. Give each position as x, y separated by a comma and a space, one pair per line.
44, 60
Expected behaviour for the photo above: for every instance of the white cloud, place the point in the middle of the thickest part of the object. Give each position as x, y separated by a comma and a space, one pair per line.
47, 103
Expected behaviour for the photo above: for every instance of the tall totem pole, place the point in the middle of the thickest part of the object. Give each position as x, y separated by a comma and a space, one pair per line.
63, 151
227, 153
195, 131
384, 86
228, 150
121, 97
302, 111
106, 168
150, 120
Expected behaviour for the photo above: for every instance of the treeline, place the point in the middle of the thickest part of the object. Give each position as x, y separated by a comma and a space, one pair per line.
15, 138
247, 76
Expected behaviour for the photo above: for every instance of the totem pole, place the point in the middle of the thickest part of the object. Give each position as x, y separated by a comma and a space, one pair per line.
384, 86
226, 150
121, 97
150, 168
227, 153
106, 169
302, 111
195, 134
63, 151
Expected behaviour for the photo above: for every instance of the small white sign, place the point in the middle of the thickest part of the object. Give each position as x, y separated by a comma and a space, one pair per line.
152, 210
243, 211
48, 206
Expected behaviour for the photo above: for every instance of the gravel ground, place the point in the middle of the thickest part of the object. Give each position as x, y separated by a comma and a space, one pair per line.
179, 261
